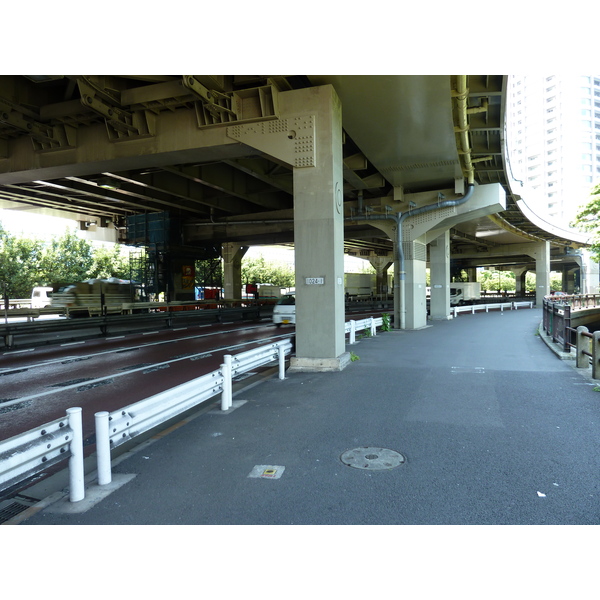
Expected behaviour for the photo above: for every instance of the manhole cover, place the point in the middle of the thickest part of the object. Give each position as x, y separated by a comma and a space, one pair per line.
372, 458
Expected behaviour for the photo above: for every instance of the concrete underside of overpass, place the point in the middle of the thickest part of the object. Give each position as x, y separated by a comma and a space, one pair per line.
204, 166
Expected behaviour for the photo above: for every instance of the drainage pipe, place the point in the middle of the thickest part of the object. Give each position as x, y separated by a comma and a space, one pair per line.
399, 268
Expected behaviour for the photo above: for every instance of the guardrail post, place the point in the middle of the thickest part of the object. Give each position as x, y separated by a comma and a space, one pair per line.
103, 448
352, 331
373, 328
281, 352
76, 471
582, 343
596, 355
227, 394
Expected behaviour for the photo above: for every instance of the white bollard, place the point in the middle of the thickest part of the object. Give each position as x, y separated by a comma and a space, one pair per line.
281, 352
352, 331
103, 448
373, 328
76, 470
227, 395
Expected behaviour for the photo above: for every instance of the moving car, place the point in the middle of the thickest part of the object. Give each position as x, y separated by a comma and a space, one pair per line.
284, 312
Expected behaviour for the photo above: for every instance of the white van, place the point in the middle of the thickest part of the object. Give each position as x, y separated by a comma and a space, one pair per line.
285, 310
40, 297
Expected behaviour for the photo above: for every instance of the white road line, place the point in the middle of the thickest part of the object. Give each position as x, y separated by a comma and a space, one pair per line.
122, 349
92, 381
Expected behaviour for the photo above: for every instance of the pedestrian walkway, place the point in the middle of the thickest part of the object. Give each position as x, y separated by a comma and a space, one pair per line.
470, 421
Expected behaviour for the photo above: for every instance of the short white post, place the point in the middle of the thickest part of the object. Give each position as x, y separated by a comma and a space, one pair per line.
76, 470
373, 328
103, 448
352, 331
227, 395
281, 352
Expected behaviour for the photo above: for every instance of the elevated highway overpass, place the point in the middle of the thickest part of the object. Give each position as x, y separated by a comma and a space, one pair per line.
406, 171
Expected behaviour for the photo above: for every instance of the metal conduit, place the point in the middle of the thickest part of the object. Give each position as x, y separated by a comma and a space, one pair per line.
399, 268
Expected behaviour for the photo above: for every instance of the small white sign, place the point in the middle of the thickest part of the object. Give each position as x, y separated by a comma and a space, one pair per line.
315, 280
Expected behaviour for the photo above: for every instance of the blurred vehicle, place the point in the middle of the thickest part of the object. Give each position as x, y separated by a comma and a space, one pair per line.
284, 312
40, 297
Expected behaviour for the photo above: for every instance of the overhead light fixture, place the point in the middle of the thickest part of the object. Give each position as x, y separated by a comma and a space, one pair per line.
108, 184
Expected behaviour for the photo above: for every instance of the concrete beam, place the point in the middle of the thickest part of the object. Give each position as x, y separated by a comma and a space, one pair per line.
177, 140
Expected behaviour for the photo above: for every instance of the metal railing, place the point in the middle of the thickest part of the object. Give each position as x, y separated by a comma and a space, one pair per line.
29, 453
473, 308
587, 350
34, 451
120, 426
556, 322
370, 324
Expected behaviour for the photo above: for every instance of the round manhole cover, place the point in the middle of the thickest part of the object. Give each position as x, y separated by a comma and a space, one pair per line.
372, 458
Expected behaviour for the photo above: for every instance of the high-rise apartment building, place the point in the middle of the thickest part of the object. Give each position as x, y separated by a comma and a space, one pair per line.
553, 141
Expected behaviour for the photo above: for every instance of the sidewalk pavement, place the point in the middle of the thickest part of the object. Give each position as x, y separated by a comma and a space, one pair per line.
471, 421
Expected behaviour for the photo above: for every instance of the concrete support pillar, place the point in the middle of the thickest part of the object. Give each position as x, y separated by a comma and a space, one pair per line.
439, 270
542, 271
415, 262
564, 286
319, 235
589, 279
232, 269
520, 276
381, 264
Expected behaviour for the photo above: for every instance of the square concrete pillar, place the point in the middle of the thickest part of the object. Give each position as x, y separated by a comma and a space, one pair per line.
439, 270
232, 269
319, 234
542, 272
415, 291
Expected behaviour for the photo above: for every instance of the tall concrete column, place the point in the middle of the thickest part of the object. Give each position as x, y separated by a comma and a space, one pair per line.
471, 273
520, 277
319, 235
381, 264
232, 269
541, 254
439, 271
415, 263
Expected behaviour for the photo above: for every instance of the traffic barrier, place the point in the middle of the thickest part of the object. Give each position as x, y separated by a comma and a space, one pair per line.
473, 308
27, 454
370, 323
120, 426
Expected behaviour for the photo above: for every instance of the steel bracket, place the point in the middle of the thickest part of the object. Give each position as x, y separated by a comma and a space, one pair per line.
43, 136
291, 140
120, 124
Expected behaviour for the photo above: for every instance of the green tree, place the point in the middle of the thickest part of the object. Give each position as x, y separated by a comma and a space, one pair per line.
209, 272
491, 281
258, 270
109, 262
66, 260
19, 260
588, 220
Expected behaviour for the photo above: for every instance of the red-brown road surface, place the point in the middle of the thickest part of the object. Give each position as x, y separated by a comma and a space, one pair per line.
40, 384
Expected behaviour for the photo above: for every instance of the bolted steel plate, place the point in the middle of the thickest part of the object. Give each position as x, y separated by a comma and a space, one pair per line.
372, 458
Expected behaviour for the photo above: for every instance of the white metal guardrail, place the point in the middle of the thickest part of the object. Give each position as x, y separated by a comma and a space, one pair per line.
351, 327
118, 427
29, 453
472, 308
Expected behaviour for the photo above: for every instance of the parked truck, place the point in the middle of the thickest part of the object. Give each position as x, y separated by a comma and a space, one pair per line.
464, 292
